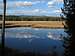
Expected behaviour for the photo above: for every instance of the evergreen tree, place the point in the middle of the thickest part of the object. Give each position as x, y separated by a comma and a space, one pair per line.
69, 41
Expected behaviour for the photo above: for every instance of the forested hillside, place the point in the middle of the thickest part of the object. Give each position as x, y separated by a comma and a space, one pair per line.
31, 18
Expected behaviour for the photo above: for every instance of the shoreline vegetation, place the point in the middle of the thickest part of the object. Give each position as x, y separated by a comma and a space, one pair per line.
34, 24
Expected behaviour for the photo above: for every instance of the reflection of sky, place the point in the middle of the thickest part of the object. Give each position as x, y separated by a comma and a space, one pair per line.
37, 39
33, 33
33, 7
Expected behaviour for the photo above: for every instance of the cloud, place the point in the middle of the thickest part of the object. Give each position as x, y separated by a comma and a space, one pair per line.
34, 11
59, 0
14, 4
9, 5
25, 3
31, 12
38, 1
13, 7
28, 3
50, 3
57, 11
44, 11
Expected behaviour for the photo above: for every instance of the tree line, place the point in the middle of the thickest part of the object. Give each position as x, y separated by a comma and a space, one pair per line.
31, 18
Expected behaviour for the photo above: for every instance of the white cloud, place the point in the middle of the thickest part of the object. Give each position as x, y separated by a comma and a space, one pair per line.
31, 12
34, 11
25, 3
30, 3
36, 2
57, 11
59, 0
9, 5
44, 11
15, 4
50, 6
50, 3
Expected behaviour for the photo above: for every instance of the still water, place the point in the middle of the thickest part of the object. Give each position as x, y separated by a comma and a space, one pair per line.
35, 39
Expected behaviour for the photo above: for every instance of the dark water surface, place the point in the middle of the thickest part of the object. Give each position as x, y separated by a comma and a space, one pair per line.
35, 39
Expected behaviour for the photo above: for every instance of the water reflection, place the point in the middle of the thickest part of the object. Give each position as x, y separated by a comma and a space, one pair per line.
55, 36
35, 39
28, 35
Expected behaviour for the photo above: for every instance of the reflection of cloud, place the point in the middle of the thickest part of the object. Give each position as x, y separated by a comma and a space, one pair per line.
54, 36
30, 40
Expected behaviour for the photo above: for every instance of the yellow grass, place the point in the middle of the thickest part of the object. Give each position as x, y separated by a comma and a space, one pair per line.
38, 24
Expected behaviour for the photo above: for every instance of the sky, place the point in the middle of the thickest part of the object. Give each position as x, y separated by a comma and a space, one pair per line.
33, 7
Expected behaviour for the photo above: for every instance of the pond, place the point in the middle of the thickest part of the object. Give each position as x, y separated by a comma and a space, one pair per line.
39, 40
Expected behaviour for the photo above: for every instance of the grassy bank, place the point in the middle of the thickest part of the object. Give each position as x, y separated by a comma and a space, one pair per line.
34, 24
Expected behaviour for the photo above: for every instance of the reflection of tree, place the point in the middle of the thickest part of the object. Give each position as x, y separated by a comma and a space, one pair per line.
69, 12
61, 36
53, 51
49, 51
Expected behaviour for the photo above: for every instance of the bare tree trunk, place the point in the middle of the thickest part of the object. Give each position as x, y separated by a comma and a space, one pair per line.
3, 27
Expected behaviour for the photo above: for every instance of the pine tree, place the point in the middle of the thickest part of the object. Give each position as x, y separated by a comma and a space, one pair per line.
69, 12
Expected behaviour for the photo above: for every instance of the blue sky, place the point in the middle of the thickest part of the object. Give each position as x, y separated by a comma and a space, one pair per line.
33, 7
